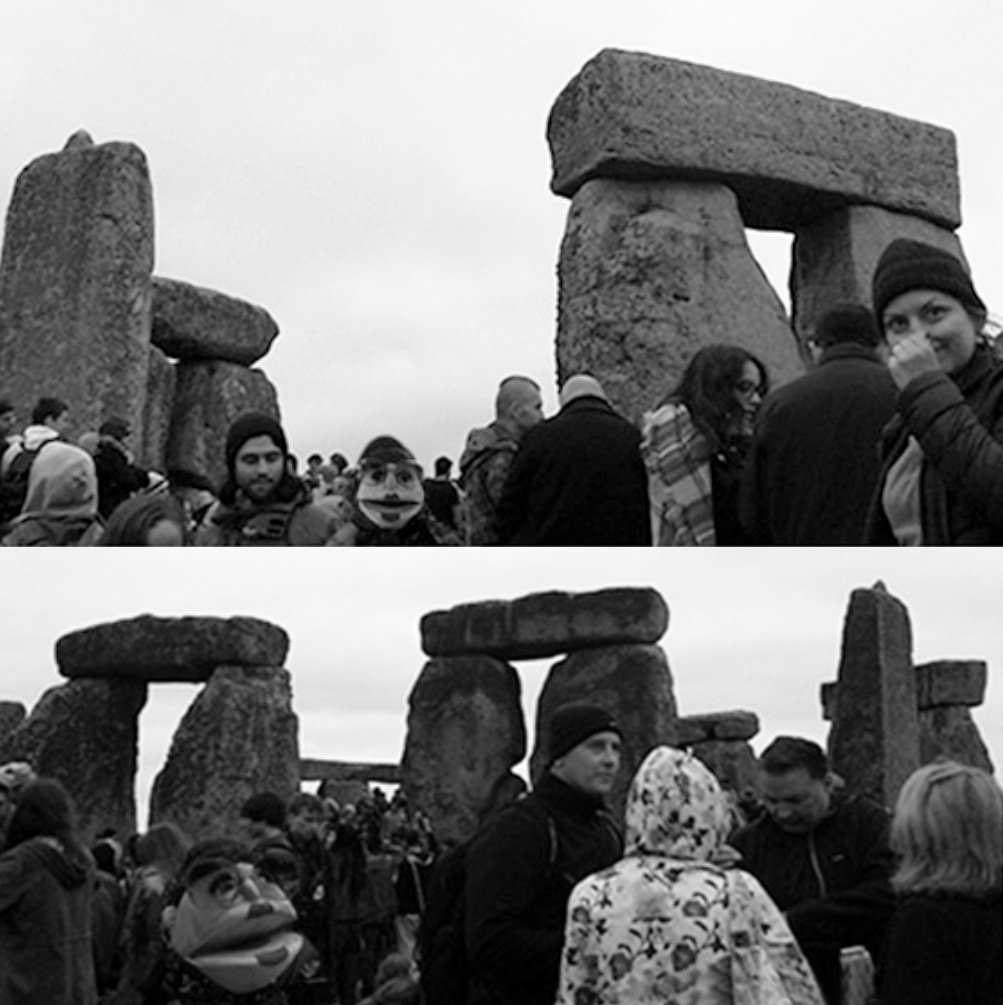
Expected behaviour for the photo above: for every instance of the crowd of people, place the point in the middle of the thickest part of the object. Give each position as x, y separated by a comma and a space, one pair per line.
813, 895
893, 437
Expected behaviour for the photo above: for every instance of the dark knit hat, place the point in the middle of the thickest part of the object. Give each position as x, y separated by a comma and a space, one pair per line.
574, 724
385, 450
246, 427
115, 427
911, 265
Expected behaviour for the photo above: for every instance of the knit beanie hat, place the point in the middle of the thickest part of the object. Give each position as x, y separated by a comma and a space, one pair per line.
385, 450
911, 265
573, 724
245, 428
847, 323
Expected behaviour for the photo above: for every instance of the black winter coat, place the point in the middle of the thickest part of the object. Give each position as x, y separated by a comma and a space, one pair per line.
578, 479
958, 422
519, 880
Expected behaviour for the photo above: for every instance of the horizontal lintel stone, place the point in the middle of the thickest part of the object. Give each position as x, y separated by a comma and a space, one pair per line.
735, 725
951, 682
547, 624
791, 156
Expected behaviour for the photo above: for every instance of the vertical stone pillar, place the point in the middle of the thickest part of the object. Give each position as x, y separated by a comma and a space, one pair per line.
650, 273
239, 736
75, 282
12, 714
85, 734
874, 738
465, 732
721, 741
634, 683
946, 689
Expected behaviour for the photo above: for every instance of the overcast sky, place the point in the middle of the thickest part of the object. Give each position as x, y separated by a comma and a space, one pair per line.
758, 630
376, 174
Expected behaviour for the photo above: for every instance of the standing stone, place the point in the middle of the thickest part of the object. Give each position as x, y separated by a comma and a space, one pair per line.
208, 397
650, 273
874, 738
85, 734
632, 682
12, 714
75, 282
835, 258
946, 690
151, 450
546, 624
465, 731
238, 737
720, 740
193, 323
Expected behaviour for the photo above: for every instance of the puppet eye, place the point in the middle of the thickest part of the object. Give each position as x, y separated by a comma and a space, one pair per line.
224, 888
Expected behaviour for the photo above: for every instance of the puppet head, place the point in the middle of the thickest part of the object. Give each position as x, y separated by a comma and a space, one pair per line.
390, 491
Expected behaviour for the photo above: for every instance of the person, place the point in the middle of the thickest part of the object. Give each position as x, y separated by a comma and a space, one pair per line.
814, 460
146, 521
10, 442
118, 477
945, 936
61, 505
46, 886
108, 905
194, 492
261, 502
389, 503
695, 444
159, 854
50, 421
230, 935
441, 497
488, 453
941, 475
520, 871
578, 478
822, 856
395, 983
312, 478
13, 777
669, 922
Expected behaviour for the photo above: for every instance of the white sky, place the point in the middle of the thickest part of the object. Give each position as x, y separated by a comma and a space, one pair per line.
376, 174
754, 629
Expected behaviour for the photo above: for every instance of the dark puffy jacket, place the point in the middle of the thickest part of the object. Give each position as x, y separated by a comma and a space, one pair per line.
958, 422
520, 874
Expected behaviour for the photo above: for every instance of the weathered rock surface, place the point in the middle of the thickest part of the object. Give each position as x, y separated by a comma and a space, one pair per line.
85, 734
649, 274
238, 737
874, 738
12, 714
949, 731
546, 624
465, 731
152, 448
208, 397
951, 682
834, 258
75, 283
790, 155
190, 322
733, 763
737, 725
149, 648
634, 683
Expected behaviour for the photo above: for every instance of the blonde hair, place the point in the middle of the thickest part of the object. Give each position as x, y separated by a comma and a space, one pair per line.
948, 831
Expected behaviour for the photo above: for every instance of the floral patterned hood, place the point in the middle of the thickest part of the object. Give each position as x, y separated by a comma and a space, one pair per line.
675, 808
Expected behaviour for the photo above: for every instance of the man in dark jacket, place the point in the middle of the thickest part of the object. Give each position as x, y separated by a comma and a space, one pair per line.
118, 477
521, 870
823, 859
578, 478
814, 460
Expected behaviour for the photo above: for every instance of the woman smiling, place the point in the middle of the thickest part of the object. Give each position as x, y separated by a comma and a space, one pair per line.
942, 473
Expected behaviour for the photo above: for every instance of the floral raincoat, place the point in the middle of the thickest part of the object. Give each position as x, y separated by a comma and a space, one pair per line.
666, 924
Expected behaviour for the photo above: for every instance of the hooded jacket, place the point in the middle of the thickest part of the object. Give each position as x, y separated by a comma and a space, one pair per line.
45, 926
666, 923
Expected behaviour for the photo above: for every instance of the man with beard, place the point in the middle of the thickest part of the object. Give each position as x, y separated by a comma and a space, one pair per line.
262, 502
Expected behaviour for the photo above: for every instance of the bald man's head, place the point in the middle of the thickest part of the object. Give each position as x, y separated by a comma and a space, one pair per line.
519, 403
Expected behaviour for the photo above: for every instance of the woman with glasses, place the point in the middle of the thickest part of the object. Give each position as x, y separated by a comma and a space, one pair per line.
695, 444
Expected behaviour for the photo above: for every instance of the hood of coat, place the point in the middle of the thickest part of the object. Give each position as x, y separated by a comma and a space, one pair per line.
48, 853
675, 808
483, 443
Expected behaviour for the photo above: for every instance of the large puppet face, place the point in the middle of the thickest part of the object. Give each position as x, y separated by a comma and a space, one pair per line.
390, 494
234, 926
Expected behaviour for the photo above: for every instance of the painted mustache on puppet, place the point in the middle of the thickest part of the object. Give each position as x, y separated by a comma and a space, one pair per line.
390, 491
232, 924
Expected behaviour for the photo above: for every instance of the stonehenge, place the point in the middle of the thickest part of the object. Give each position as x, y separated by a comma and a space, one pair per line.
82, 316
466, 731
666, 164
